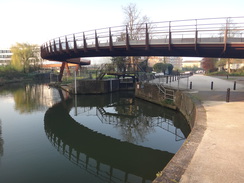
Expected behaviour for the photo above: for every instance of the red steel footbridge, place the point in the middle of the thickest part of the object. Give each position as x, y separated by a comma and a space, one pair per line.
212, 37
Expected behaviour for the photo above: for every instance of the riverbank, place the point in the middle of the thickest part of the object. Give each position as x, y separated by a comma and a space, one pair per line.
213, 151
216, 150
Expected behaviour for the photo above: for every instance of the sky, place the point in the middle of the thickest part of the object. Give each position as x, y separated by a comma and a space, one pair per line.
37, 21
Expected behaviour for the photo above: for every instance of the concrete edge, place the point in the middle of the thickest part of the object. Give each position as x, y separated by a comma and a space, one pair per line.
178, 164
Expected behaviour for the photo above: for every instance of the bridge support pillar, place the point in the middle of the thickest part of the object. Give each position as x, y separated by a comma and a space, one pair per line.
64, 65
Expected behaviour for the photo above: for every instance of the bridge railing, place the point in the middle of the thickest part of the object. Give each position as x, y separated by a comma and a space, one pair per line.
211, 30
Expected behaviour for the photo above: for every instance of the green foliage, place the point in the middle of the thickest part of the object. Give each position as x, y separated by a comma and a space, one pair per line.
161, 67
8, 72
238, 72
217, 73
120, 62
24, 54
144, 66
170, 68
194, 68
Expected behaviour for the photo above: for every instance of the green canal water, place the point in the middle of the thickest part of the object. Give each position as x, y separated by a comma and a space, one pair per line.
48, 136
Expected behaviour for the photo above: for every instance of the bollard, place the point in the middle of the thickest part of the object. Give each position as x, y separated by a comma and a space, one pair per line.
170, 79
228, 95
212, 85
227, 76
167, 79
190, 85
234, 88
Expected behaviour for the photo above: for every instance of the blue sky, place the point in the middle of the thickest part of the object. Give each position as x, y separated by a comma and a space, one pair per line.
37, 21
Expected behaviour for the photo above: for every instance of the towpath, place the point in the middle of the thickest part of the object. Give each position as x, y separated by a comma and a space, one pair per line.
219, 158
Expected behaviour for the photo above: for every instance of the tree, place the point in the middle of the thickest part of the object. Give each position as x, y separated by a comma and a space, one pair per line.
160, 67
170, 68
24, 54
135, 25
120, 62
230, 29
134, 21
209, 64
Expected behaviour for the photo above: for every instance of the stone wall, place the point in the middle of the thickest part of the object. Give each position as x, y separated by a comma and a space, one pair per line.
96, 86
150, 92
195, 114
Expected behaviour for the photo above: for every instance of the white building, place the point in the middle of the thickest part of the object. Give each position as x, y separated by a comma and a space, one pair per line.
5, 56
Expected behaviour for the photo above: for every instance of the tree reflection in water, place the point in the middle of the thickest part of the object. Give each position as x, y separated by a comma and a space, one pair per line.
93, 151
1, 140
29, 98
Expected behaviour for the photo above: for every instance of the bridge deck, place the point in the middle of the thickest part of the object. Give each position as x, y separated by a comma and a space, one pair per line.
217, 37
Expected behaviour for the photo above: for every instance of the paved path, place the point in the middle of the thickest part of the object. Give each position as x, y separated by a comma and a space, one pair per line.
219, 157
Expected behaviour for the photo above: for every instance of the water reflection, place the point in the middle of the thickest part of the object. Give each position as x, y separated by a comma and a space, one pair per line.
29, 98
111, 159
1, 140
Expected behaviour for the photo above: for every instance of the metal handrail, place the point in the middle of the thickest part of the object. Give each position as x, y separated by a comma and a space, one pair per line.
177, 26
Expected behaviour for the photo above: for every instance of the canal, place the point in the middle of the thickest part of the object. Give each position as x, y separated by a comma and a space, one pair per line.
48, 136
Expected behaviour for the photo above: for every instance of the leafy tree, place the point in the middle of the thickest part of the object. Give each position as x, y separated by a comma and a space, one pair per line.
188, 68
209, 64
24, 54
120, 62
160, 67
170, 68
144, 66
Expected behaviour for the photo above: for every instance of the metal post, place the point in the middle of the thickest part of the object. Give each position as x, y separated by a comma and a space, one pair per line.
190, 85
111, 85
228, 95
75, 84
187, 82
178, 83
234, 88
212, 85
76, 105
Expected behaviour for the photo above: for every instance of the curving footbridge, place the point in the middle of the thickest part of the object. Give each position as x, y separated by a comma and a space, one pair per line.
212, 37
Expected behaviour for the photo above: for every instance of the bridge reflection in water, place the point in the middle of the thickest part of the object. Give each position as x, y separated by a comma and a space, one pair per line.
1, 140
107, 158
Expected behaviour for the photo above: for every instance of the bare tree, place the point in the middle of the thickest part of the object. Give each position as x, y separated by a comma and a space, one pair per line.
230, 28
136, 23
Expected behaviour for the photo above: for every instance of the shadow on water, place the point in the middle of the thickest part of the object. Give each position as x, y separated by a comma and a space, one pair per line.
102, 155
1, 140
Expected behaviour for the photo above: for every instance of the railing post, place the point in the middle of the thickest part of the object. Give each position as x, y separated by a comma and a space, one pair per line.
196, 35
67, 44
51, 50
225, 35
169, 36
147, 38
54, 46
127, 39
96, 40
75, 45
110, 40
60, 46
84, 42
47, 50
